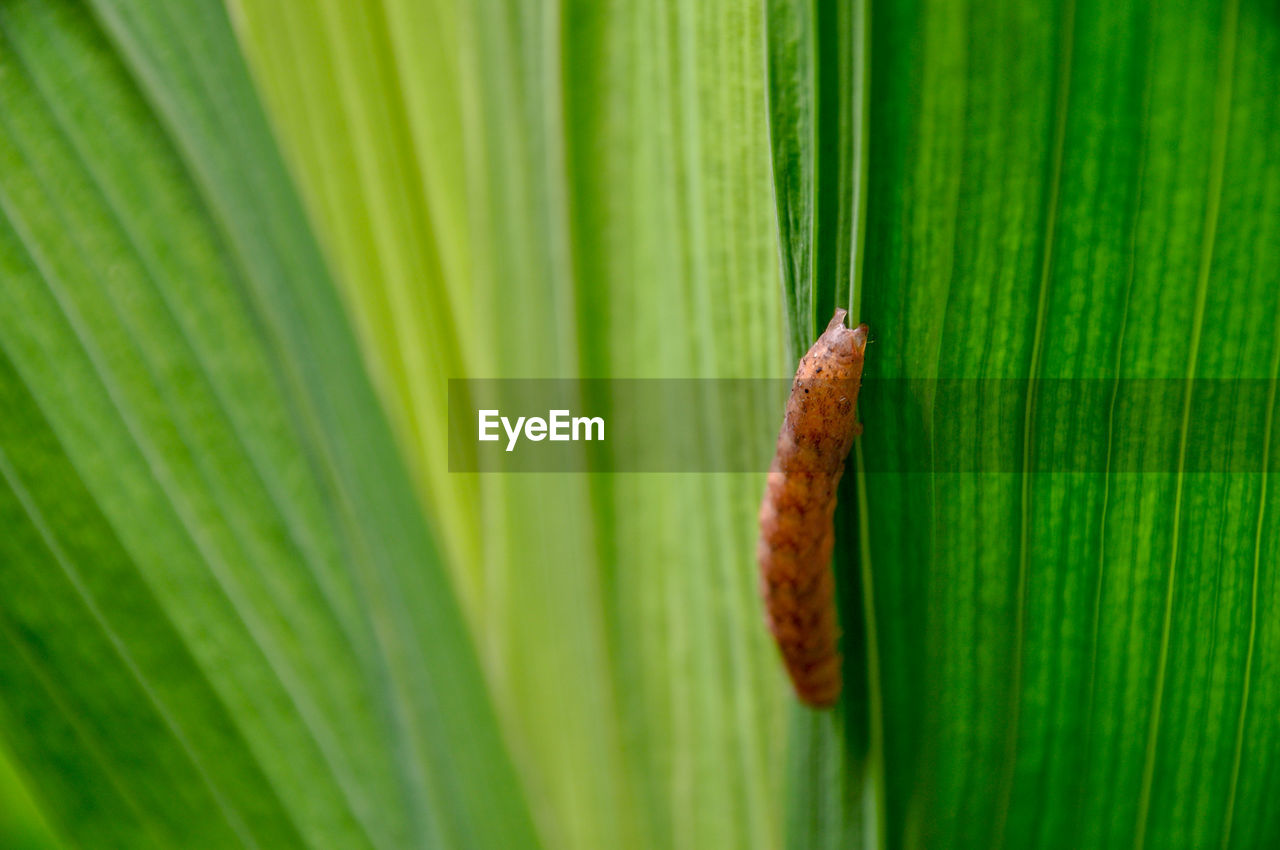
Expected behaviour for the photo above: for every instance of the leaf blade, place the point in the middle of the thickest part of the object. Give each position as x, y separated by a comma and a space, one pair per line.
198, 373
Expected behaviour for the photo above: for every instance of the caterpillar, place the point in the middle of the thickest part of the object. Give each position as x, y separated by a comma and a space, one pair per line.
797, 531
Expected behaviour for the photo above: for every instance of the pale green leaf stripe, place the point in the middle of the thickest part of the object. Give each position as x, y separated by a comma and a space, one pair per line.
227, 624
22, 826
598, 174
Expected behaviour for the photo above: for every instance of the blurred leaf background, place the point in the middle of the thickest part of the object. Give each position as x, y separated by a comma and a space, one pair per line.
244, 248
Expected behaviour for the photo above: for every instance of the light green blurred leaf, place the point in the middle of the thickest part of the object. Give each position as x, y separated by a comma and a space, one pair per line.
224, 620
598, 175
1078, 191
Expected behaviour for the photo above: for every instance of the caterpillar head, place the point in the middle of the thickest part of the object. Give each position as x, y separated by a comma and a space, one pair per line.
837, 355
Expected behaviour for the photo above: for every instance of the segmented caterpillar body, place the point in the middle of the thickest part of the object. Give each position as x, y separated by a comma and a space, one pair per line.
796, 527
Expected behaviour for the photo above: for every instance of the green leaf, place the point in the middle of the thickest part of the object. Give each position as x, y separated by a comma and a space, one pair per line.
1082, 192
817, 122
599, 175
225, 621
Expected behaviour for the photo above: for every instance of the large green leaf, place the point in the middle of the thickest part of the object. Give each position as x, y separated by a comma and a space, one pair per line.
224, 620
1079, 656
598, 175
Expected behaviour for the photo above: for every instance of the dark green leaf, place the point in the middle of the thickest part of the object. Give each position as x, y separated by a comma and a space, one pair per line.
1073, 645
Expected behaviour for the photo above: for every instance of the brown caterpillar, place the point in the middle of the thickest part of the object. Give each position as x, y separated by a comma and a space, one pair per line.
796, 528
